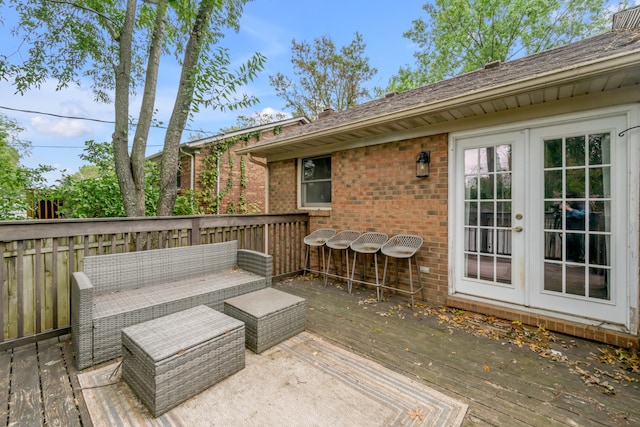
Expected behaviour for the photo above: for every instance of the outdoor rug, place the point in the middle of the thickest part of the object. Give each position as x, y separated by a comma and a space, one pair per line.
303, 381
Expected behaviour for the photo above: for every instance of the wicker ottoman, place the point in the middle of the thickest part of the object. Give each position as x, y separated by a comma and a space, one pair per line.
270, 316
172, 358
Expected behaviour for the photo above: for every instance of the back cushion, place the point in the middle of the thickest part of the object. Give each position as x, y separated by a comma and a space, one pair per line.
112, 273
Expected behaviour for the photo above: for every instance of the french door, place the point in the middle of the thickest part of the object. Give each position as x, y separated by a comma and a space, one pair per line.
541, 218
490, 260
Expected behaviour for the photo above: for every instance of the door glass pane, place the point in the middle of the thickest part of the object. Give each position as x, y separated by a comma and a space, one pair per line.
553, 246
470, 239
503, 158
600, 216
486, 240
599, 148
471, 162
598, 253
575, 151
486, 268
576, 184
599, 179
487, 216
553, 279
486, 186
599, 283
486, 160
552, 183
471, 213
503, 214
575, 247
577, 212
471, 188
503, 270
503, 186
553, 153
471, 266
575, 280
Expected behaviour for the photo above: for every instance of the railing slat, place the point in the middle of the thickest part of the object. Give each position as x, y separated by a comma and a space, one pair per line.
20, 287
54, 283
39, 284
3, 291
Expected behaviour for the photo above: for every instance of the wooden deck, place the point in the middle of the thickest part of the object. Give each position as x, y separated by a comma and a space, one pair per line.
508, 375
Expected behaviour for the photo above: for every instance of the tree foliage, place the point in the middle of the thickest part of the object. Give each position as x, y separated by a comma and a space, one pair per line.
118, 45
16, 181
324, 77
460, 36
95, 193
258, 118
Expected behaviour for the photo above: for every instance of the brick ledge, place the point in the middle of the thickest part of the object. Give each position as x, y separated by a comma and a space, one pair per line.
594, 333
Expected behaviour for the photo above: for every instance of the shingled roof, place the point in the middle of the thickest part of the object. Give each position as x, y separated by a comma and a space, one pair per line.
554, 63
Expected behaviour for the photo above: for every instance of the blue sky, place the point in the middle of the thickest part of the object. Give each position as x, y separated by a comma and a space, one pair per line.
267, 26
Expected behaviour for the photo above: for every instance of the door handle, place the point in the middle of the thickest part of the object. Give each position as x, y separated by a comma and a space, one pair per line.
517, 229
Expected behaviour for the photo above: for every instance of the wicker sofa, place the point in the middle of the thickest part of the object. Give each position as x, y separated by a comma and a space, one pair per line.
120, 290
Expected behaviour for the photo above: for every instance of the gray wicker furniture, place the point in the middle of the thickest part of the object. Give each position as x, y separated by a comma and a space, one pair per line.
402, 246
340, 242
173, 358
270, 316
367, 243
120, 290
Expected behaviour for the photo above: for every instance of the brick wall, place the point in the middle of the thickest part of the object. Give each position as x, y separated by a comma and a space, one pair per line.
255, 177
375, 189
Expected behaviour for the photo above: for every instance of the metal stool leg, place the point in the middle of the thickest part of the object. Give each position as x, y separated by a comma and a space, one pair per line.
384, 275
375, 262
353, 272
306, 259
326, 272
410, 282
419, 279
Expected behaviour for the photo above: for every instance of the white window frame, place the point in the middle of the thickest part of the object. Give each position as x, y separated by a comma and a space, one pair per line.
300, 183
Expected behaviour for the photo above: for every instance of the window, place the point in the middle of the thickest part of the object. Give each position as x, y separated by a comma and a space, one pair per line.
315, 182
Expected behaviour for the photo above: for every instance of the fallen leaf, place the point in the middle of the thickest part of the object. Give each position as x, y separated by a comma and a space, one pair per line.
416, 414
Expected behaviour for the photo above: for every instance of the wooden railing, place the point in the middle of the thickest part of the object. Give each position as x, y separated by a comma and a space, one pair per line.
39, 257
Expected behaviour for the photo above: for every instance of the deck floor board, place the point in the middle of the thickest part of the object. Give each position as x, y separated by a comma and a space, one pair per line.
504, 384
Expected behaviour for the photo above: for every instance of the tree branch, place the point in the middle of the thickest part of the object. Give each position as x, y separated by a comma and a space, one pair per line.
108, 21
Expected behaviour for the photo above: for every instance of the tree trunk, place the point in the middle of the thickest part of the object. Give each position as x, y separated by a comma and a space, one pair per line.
181, 109
138, 151
121, 130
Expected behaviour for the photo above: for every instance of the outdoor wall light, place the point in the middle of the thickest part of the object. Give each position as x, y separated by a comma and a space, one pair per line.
422, 164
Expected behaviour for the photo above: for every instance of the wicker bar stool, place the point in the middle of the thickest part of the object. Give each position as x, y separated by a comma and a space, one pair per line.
402, 246
367, 243
316, 239
340, 242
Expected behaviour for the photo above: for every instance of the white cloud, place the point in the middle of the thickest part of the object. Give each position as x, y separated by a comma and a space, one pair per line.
60, 127
272, 112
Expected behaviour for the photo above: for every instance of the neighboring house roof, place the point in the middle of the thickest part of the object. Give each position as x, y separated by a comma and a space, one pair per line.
606, 62
193, 145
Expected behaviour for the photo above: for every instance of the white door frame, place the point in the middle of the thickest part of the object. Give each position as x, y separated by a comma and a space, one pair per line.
630, 144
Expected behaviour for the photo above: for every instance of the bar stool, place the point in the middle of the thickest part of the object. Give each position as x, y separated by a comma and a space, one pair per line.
367, 243
316, 239
341, 242
402, 246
